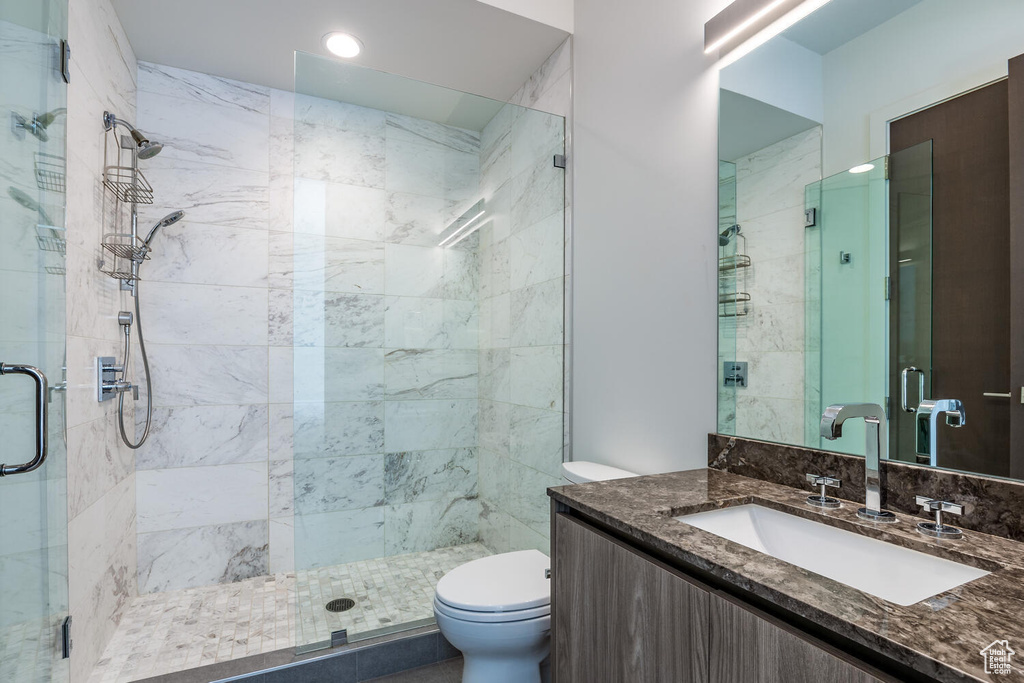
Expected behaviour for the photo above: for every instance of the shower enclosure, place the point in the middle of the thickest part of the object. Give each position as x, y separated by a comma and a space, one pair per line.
33, 499
421, 300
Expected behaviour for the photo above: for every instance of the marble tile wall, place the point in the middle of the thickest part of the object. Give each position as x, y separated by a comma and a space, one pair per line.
769, 208
101, 481
525, 270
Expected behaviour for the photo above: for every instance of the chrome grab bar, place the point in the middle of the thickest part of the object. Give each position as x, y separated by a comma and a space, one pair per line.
42, 417
920, 388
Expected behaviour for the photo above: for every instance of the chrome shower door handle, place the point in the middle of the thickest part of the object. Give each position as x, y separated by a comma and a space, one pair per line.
920, 388
42, 417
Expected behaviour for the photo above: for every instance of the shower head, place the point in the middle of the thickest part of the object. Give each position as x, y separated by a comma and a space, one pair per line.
145, 148
29, 203
169, 219
725, 236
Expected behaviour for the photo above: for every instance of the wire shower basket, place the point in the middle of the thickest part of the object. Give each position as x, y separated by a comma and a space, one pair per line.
128, 184
50, 174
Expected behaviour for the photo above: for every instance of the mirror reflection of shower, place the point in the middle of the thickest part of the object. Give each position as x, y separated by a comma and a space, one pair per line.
130, 186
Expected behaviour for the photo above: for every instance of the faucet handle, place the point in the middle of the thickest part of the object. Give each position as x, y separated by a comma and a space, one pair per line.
824, 481
937, 529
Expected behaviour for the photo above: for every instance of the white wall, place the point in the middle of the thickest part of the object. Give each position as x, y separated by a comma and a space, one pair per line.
932, 51
557, 13
782, 74
645, 137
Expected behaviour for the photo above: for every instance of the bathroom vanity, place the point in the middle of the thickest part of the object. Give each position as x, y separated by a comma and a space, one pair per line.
639, 595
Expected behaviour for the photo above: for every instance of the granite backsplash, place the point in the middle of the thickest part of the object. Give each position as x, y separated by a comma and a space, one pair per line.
991, 505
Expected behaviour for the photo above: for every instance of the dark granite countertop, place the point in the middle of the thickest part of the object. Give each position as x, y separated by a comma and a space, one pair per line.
940, 637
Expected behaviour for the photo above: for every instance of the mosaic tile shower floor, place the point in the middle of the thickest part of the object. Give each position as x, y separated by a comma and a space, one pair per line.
165, 632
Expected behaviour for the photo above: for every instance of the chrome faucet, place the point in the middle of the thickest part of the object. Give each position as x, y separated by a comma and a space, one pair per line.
877, 448
928, 424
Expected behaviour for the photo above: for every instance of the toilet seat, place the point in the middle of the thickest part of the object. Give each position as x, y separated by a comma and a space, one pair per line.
506, 587
491, 617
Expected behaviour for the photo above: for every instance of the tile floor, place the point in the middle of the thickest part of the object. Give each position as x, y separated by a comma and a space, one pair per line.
165, 632
27, 652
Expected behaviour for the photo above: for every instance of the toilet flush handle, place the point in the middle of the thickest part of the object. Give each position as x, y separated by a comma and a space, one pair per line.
547, 573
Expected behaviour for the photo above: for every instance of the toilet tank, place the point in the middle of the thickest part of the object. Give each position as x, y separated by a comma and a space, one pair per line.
581, 472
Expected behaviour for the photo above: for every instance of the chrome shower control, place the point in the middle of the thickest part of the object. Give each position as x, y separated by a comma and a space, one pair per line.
823, 500
937, 529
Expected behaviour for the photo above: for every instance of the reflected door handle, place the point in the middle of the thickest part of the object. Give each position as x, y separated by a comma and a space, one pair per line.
920, 388
990, 394
42, 417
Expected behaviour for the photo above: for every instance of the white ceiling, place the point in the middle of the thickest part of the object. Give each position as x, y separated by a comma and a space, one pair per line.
461, 44
840, 21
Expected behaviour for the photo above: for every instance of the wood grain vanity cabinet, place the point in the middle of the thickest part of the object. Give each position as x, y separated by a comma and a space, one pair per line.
620, 616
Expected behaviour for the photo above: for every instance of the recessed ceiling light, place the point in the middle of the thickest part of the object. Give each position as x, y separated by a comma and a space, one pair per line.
863, 168
343, 44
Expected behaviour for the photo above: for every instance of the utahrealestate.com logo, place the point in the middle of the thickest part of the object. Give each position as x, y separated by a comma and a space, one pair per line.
997, 658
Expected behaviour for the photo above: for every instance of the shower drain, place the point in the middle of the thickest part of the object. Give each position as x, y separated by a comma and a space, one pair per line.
340, 605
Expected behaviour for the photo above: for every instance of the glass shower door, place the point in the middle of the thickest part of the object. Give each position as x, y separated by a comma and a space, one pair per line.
33, 507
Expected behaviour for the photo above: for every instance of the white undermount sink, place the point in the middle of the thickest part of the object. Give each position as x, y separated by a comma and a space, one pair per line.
887, 571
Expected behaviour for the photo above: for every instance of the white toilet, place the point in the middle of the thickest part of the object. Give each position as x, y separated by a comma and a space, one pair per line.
497, 610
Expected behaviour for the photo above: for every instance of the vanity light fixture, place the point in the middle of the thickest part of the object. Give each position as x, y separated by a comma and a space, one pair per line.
863, 168
745, 25
343, 45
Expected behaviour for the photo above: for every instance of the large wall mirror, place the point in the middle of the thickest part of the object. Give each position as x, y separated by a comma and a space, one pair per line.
871, 230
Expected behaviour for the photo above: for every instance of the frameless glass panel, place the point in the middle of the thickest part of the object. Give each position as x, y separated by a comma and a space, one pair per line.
910, 304
730, 305
853, 238
33, 507
427, 301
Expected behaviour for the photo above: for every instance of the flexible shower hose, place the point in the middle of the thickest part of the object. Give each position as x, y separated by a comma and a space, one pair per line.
149, 382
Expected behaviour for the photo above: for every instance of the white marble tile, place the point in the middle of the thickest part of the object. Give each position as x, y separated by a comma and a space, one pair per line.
339, 156
536, 137
537, 192
536, 377
494, 528
528, 499
354, 211
192, 86
337, 537
353, 374
282, 364
317, 111
227, 136
461, 274
415, 167
321, 430
190, 252
208, 435
495, 426
547, 77
209, 194
461, 324
537, 314
409, 129
430, 475
414, 271
204, 314
333, 484
523, 537
282, 545
536, 253
495, 322
281, 485
313, 262
201, 496
429, 425
205, 375
310, 206
430, 373
326, 319
495, 374
216, 554
414, 527
536, 439
414, 323
414, 219
96, 459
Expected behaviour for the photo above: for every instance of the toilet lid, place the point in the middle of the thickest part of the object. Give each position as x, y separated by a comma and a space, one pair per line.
499, 583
